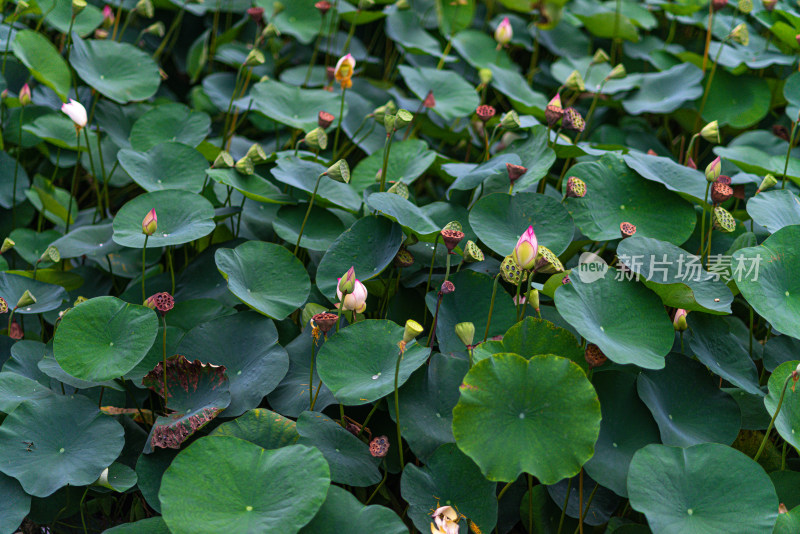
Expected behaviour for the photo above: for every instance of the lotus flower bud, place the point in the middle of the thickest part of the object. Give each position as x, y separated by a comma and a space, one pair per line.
403, 118
573, 120
339, 171
324, 119
713, 169
316, 139
575, 81
25, 95
554, 111
576, 188
355, 301
75, 111
223, 161
51, 254
323, 6
256, 154
600, 56
108, 14
162, 302
533, 298
710, 132
347, 283
740, 34
8, 244
720, 192
485, 112
472, 252
411, 330
466, 333
526, 249
26, 299
547, 261
617, 72
627, 229
150, 223
145, 9
78, 6
510, 121
245, 166
594, 356
485, 76
504, 32
451, 238
515, 172
430, 101
766, 183
679, 320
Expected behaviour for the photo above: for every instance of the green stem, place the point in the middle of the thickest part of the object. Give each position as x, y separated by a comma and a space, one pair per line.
447, 49
16, 169
397, 408
74, 181
563, 508
385, 474
311, 377
504, 490
491, 306
80, 506
144, 265
314, 53
788, 153
751, 331
387, 146
171, 269
164, 355
339, 314
338, 125
772, 421
703, 218
428, 285
99, 207
708, 247
369, 416
175, 22
308, 211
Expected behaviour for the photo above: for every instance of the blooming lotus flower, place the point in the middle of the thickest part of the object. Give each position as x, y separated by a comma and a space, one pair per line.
150, 223
75, 111
445, 521
343, 72
355, 301
526, 249
504, 32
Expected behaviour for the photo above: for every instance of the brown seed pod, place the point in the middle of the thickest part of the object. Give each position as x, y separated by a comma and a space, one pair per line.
325, 321
515, 172
553, 114
447, 287
720, 192
379, 446
594, 356
451, 238
627, 229
324, 119
724, 179
485, 112
403, 259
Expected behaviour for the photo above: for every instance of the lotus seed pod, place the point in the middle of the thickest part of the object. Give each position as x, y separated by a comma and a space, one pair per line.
256, 154
15, 331
403, 119
547, 262
316, 139
554, 111
447, 287
515, 172
576, 188
3, 305
325, 321
533, 298
254, 57
223, 161
710, 132
411, 240
380, 113
26, 299
511, 272
724, 180
485, 76
600, 56
510, 121
472, 253
323, 6
245, 166
400, 189
145, 9
324, 119
573, 120
617, 72
740, 34
451, 238
403, 259
594, 356
51, 254
724, 221
389, 123
379, 446
716, 5
766, 183
575, 81
412, 330
720, 192
365, 4
162, 302
466, 333
769, 5
339, 171
485, 112
77, 7
8, 244
453, 225
745, 6
627, 229
430, 101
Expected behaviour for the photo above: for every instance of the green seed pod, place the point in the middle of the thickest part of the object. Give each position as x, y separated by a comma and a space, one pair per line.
466, 333
511, 272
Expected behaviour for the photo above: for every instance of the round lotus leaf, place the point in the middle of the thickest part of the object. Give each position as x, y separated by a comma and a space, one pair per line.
150, 470
737, 101
616, 194
369, 245
469, 175
540, 416
104, 338
167, 165
16, 389
268, 430
455, 97
247, 345
613, 314
626, 427
31, 245
151, 525
408, 160
405, 212
688, 405
119, 478
252, 186
427, 401
43, 60
788, 523
665, 91
774, 209
358, 362
119, 71
15, 504
675, 275
500, 219
49, 443
449, 478
671, 174
302, 174
182, 217
533, 336
321, 230
265, 276
7, 197
220, 484
703, 489
342, 512
348, 457
94, 241
766, 277
788, 420
289, 105
48, 296
169, 122
290, 398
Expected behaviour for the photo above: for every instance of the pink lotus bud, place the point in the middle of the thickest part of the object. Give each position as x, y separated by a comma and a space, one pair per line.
25, 95
75, 111
713, 169
526, 249
679, 321
355, 301
108, 16
346, 283
323, 6
150, 223
504, 33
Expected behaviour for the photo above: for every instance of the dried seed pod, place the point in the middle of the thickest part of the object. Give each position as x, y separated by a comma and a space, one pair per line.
379, 446
472, 253
447, 287
325, 321
324, 119
594, 356
573, 120
485, 112
515, 171
627, 229
720, 192
403, 259
451, 238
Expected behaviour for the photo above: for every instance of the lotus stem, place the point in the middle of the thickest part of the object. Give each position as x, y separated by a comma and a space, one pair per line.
144, 266
171, 269
339, 125
387, 147
74, 181
564, 508
164, 355
788, 152
305, 219
311, 376
16, 169
772, 421
428, 285
703, 219
315, 52
491, 306
397, 407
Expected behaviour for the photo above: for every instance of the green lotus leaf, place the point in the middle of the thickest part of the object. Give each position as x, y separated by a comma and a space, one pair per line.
15, 504
408, 160
455, 98
43, 60
666, 91
321, 229
775, 209
404, 212
48, 296
169, 122
268, 430
787, 421
166, 165
290, 105
343, 512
